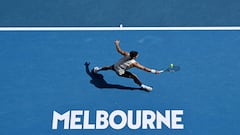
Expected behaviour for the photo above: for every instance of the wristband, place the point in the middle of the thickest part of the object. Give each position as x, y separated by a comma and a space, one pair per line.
153, 71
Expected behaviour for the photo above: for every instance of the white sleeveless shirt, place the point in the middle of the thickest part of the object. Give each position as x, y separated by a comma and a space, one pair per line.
123, 64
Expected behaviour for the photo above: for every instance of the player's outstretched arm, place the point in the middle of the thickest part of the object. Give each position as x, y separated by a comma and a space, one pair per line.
119, 50
137, 65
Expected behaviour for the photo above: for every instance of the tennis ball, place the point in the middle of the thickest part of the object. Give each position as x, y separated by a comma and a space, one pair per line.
171, 65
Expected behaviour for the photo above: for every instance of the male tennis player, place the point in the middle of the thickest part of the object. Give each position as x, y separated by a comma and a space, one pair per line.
125, 63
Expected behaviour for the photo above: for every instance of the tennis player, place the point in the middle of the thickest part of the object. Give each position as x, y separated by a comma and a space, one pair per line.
126, 62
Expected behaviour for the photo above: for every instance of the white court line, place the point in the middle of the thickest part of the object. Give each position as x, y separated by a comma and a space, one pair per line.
112, 28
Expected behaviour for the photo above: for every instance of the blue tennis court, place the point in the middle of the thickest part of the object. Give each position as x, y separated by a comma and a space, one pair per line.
143, 13
45, 71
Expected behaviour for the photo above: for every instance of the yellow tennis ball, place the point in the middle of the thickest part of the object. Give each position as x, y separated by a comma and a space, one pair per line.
171, 65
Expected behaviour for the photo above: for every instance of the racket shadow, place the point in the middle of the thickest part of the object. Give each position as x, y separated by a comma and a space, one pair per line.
98, 81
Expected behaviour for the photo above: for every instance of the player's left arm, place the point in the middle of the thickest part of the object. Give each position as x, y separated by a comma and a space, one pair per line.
119, 50
137, 65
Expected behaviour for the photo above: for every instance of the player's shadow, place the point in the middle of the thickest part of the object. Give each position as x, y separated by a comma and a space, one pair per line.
99, 82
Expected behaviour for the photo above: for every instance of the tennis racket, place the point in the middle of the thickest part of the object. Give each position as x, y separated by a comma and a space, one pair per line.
172, 68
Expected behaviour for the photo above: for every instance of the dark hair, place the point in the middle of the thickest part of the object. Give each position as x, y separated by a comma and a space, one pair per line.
133, 54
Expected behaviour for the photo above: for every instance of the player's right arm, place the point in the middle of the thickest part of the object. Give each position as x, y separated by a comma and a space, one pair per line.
137, 65
119, 50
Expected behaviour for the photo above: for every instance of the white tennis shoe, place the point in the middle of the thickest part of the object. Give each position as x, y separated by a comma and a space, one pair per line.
145, 87
96, 69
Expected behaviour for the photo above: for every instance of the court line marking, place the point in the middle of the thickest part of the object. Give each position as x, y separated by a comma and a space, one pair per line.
112, 28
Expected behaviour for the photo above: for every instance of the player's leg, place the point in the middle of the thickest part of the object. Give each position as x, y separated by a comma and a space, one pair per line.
128, 74
133, 76
96, 69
